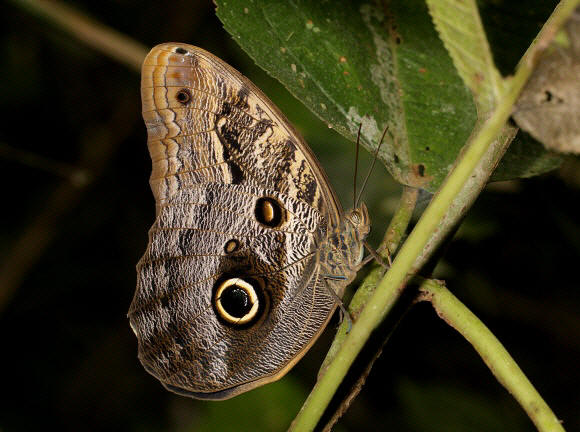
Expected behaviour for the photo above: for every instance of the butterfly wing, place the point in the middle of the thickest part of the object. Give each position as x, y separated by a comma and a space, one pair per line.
229, 293
206, 122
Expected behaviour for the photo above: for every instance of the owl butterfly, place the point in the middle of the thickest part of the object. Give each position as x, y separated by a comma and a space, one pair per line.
250, 251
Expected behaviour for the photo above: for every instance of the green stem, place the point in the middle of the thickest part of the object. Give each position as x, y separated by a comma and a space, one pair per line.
400, 221
392, 284
495, 356
393, 236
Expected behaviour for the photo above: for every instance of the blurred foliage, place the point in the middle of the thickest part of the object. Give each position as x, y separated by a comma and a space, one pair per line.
69, 356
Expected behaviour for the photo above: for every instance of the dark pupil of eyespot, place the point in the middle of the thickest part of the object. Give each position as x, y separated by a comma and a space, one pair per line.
236, 301
182, 96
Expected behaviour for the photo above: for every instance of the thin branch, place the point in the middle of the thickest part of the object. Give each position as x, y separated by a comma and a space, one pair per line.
394, 234
76, 175
37, 236
492, 352
483, 143
96, 35
399, 223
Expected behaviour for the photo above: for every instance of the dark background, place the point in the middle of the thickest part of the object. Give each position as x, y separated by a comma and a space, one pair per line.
76, 207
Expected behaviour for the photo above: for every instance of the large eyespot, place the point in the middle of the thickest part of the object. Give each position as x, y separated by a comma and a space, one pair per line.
239, 301
183, 96
269, 212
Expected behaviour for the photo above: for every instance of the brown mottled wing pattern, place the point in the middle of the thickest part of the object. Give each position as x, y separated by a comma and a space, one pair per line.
227, 132
218, 145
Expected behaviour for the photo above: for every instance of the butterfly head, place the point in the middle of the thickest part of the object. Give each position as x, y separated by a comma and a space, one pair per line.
360, 220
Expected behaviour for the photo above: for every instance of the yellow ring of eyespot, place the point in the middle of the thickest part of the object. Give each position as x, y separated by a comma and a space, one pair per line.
249, 289
269, 212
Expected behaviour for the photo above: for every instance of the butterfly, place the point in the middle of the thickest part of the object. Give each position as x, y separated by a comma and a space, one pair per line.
250, 251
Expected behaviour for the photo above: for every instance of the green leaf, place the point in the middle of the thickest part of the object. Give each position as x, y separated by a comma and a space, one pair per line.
525, 158
365, 63
460, 27
511, 28
461, 31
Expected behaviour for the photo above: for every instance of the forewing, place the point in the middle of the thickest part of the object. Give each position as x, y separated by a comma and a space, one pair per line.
206, 122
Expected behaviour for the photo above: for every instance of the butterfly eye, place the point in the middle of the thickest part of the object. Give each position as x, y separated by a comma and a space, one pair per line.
355, 217
238, 301
269, 212
180, 50
183, 96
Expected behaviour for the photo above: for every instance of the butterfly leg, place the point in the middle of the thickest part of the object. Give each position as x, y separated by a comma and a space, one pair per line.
374, 255
344, 315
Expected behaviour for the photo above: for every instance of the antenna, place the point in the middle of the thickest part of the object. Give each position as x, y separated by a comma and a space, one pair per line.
357, 199
356, 165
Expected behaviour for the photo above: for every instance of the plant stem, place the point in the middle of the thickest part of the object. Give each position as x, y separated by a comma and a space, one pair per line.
393, 236
391, 286
495, 356
400, 221
393, 283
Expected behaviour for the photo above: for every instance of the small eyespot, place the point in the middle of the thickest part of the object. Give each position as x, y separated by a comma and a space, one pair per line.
183, 96
231, 246
180, 50
238, 301
421, 170
269, 212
